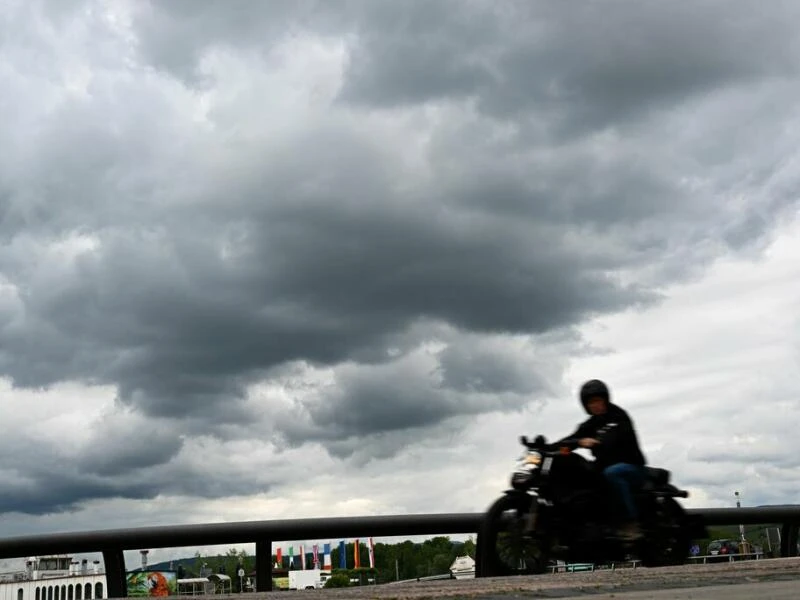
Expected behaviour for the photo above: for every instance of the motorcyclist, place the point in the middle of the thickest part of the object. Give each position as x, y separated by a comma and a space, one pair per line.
610, 435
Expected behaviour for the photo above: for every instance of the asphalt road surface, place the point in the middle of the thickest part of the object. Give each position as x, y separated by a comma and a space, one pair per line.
771, 590
777, 579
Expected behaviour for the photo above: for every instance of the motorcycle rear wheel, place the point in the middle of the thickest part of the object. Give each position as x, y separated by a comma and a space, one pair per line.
670, 541
505, 549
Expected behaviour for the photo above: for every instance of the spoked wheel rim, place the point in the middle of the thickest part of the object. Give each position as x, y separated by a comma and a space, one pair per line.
509, 550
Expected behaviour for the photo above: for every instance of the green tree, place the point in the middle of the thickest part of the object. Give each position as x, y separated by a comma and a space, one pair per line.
440, 564
469, 547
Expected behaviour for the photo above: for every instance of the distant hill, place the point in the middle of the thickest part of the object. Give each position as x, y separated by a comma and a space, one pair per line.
186, 563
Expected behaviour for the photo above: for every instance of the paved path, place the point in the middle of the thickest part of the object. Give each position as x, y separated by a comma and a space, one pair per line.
769, 590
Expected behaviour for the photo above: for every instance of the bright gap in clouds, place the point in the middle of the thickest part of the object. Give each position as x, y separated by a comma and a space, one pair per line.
710, 376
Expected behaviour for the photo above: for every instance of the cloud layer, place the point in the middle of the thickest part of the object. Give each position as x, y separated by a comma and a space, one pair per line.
333, 234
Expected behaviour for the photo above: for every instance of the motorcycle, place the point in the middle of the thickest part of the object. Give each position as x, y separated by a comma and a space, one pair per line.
559, 508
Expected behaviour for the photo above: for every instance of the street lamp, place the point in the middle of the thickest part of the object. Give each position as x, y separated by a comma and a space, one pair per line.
741, 527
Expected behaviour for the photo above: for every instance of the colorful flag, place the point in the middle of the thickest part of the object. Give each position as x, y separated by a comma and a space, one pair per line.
302, 557
355, 554
316, 556
342, 555
326, 560
291, 556
371, 554
279, 557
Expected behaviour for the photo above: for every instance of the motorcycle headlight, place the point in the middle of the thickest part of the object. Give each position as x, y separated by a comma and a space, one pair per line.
530, 461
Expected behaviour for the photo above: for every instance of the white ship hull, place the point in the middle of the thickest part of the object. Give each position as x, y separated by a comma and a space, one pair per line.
70, 587
53, 578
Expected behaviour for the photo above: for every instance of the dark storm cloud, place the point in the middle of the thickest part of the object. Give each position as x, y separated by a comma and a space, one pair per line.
583, 66
381, 408
215, 253
58, 490
179, 328
40, 478
125, 455
478, 369
119, 444
53, 488
175, 35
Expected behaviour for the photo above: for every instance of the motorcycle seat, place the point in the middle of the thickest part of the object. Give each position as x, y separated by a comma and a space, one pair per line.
656, 476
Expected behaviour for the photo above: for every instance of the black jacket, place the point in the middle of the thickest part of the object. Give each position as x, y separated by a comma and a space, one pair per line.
618, 441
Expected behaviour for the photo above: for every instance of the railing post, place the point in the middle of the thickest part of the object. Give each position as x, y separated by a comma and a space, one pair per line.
789, 539
478, 556
116, 582
264, 566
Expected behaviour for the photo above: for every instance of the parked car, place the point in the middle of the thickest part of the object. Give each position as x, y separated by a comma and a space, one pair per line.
722, 549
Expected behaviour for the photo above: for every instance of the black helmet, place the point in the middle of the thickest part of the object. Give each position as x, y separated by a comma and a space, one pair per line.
592, 389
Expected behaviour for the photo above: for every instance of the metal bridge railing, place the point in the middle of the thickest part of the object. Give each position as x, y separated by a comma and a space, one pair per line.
112, 542
733, 557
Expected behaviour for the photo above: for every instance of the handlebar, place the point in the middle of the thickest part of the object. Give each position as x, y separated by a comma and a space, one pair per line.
571, 443
540, 443
533, 445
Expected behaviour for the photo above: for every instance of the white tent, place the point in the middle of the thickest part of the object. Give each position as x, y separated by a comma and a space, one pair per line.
463, 567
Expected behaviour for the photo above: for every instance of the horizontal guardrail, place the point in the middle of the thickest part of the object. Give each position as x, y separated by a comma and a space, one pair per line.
112, 542
722, 557
632, 564
441, 577
755, 515
175, 536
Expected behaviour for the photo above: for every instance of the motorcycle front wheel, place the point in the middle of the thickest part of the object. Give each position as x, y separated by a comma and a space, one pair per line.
505, 548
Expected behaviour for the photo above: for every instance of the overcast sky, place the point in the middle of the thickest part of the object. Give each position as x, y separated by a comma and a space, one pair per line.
305, 258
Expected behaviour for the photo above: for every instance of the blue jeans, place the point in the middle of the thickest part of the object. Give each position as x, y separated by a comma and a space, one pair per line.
624, 478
